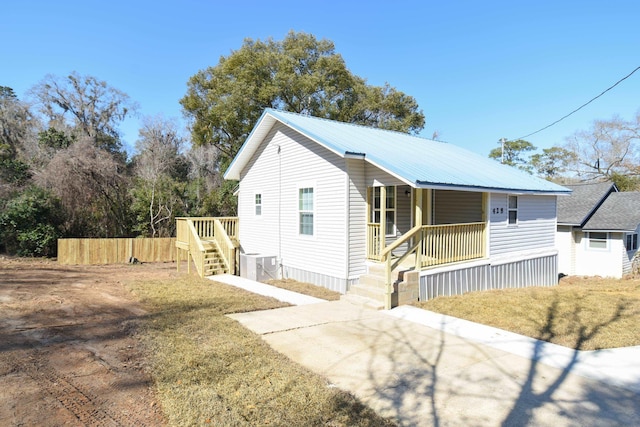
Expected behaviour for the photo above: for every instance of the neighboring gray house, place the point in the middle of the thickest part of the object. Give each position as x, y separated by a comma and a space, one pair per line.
597, 230
342, 206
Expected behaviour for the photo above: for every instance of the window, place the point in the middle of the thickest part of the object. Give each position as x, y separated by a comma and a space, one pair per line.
513, 210
305, 209
597, 240
258, 204
390, 209
632, 242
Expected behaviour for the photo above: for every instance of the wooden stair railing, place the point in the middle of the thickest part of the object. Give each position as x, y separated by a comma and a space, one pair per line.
208, 244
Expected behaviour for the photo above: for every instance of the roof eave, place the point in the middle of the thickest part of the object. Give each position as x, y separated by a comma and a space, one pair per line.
477, 188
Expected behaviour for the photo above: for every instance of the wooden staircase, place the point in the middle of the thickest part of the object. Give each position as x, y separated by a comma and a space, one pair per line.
210, 244
213, 261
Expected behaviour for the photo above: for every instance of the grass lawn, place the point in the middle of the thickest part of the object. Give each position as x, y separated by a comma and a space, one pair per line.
209, 370
580, 313
306, 288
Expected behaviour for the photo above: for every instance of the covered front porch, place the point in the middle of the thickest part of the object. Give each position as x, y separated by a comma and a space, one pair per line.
420, 228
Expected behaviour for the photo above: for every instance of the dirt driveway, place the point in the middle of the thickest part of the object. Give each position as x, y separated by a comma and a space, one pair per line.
68, 348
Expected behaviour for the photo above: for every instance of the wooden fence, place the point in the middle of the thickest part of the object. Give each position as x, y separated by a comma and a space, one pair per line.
116, 251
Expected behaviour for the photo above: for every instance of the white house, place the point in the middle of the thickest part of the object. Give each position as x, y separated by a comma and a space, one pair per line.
597, 230
329, 202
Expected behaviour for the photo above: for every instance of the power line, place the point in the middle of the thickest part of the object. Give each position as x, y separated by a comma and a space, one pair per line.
583, 105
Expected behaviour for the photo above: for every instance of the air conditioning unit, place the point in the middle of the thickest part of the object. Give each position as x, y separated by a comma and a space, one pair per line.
258, 267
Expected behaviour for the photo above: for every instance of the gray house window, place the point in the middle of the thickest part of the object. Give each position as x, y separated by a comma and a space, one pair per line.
632, 242
305, 209
258, 204
513, 210
598, 240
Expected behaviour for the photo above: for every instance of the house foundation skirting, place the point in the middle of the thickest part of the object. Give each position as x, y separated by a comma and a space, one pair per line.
538, 271
330, 282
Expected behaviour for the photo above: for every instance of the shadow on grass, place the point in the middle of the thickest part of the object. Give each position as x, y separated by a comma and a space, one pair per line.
604, 403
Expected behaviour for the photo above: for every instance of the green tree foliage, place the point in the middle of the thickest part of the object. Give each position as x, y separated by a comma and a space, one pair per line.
626, 182
552, 162
55, 139
7, 93
30, 223
300, 74
514, 154
17, 126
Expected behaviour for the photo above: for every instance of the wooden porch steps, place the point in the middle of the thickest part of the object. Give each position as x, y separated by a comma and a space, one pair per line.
213, 263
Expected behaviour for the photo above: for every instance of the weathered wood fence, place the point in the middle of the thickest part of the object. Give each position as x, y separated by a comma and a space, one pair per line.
116, 251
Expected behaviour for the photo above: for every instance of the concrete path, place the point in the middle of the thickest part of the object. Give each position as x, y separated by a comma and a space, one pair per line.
266, 290
423, 373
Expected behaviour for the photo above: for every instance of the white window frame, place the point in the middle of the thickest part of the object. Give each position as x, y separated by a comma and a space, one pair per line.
512, 209
591, 239
311, 211
392, 232
257, 205
631, 242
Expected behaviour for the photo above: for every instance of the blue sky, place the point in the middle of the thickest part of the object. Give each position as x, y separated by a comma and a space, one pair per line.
479, 70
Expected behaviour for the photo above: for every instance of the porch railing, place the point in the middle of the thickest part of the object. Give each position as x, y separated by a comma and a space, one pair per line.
373, 241
444, 244
433, 245
195, 233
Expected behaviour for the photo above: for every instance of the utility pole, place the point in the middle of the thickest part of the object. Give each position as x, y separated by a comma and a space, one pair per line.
502, 141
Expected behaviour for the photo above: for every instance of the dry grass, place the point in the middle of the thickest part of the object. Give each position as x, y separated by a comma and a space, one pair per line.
209, 370
306, 288
579, 313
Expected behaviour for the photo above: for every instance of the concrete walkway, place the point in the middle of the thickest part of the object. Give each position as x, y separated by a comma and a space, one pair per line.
426, 369
266, 290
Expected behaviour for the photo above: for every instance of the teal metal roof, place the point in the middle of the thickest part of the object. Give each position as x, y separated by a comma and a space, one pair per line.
419, 162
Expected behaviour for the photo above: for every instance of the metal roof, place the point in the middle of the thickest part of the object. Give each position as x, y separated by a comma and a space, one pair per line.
584, 200
619, 212
418, 161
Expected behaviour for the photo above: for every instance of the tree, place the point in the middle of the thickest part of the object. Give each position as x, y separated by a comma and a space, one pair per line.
552, 163
160, 175
87, 104
17, 128
606, 150
512, 153
93, 187
30, 223
204, 177
299, 74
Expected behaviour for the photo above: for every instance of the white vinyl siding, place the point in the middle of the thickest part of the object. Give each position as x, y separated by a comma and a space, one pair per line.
536, 228
357, 217
404, 209
599, 262
566, 252
456, 207
284, 160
